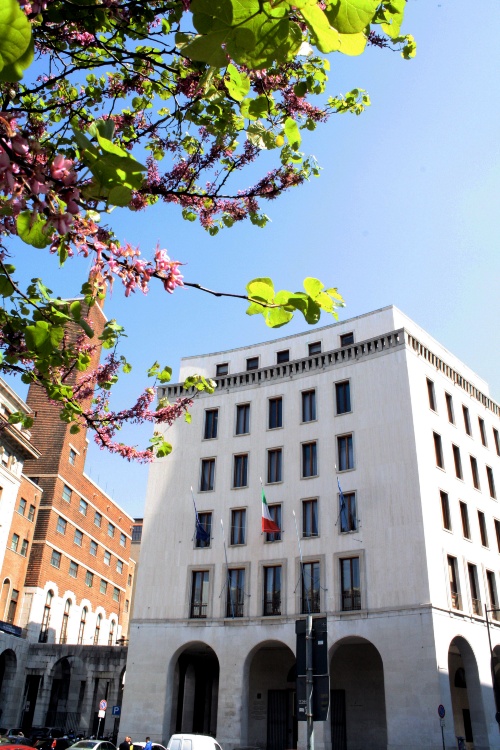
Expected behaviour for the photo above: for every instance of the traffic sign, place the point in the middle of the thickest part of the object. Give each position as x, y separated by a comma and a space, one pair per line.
116, 711
441, 711
101, 714
103, 705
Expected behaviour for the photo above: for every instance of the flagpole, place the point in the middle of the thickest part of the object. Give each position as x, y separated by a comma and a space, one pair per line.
309, 654
227, 571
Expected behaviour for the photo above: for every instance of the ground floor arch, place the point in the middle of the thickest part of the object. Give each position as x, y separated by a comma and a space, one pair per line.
357, 700
466, 695
195, 690
8, 668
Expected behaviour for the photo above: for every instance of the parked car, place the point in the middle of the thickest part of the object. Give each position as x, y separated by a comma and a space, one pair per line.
16, 740
142, 745
59, 743
192, 742
94, 745
46, 733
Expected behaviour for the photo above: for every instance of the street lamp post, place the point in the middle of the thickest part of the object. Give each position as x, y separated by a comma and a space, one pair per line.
493, 678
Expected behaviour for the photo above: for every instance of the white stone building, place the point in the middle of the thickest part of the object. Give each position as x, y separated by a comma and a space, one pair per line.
403, 567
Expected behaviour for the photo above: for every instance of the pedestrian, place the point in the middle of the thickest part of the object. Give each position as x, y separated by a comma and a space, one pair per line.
126, 744
149, 744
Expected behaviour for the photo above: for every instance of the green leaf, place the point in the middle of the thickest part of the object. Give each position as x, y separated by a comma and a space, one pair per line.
238, 83
353, 44
351, 16
326, 38
43, 338
261, 289
16, 51
33, 229
165, 375
292, 133
313, 287
394, 14
6, 286
75, 309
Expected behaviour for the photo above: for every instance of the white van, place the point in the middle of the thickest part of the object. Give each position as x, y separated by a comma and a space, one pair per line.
192, 742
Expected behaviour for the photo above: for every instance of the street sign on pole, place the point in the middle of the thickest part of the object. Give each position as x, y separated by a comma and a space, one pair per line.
102, 714
103, 705
116, 711
320, 678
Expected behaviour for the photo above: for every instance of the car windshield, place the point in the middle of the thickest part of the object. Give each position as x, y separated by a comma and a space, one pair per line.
86, 744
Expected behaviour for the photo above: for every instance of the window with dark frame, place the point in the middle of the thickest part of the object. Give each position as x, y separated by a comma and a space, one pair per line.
93, 548
111, 530
24, 548
345, 452
97, 519
310, 518
496, 439
205, 521
240, 470
314, 348
272, 590
475, 473
350, 584
199, 594
310, 600
453, 581
445, 510
31, 513
482, 528
309, 405
64, 626
83, 507
467, 426
207, 474
14, 544
21, 508
66, 493
72, 456
449, 408
235, 604
275, 513
347, 512
309, 460
97, 629
343, 397
55, 559
222, 369
61, 525
438, 450
11, 613
458, 462
492, 593
491, 482
89, 579
497, 533
347, 338
482, 431
275, 413
431, 395
44, 628
238, 526
283, 356
474, 590
78, 538
211, 424
73, 569
242, 419
274, 465
103, 586
464, 515
253, 363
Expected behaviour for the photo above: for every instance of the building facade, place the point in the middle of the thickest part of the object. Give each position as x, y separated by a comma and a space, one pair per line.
378, 452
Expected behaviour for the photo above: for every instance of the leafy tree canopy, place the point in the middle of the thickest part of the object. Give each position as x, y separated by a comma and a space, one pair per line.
143, 101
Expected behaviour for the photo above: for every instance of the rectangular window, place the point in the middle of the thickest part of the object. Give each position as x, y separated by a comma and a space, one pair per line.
123, 540
310, 588
343, 397
15, 542
72, 456
55, 559
240, 470
242, 419
129, 580
449, 408
31, 513
496, 438
137, 532
274, 465
482, 528
119, 566
66, 493
211, 424
111, 530
497, 533
464, 514
482, 431
431, 394
283, 356
467, 426
347, 338
458, 462
453, 579
97, 519
24, 548
222, 369
275, 413
11, 614
107, 557
235, 606
205, 523
445, 511
350, 584
253, 363
272, 590
275, 513
475, 473
309, 460
347, 512
21, 508
238, 524
474, 590
127, 605
199, 594
314, 348
93, 548
491, 481
61, 525
89, 579
78, 538
492, 592
309, 406
207, 474
438, 449
73, 569
309, 518
83, 507
116, 594
103, 586
345, 452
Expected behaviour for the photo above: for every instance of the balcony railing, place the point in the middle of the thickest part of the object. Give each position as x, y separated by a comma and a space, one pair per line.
351, 600
272, 604
198, 610
456, 601
235, 609
44, 636
477, 607
311, 600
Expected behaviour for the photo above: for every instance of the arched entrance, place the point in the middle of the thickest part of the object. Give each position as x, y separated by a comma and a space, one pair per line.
57, 711
357, 698
466, 698
8, 665
196, 690
271, 675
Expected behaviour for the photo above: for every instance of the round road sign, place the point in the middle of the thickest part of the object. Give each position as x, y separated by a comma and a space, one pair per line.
103, 705
441, 711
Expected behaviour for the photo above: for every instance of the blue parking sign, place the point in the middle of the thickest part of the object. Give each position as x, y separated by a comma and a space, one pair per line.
116, 711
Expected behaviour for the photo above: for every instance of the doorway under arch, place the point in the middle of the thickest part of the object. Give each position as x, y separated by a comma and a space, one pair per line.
8, 667
466, 697
196, 690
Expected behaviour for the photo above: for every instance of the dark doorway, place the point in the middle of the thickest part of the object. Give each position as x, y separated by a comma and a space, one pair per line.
337, 719
198, 693
281, 721
30, 695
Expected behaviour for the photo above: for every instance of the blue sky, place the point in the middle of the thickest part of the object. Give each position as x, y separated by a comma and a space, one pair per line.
406, 212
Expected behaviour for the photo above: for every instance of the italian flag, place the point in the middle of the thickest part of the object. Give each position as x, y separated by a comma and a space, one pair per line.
268, 525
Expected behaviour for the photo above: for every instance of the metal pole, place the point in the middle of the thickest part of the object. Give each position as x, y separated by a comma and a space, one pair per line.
442, 734
98, 727
309, 683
